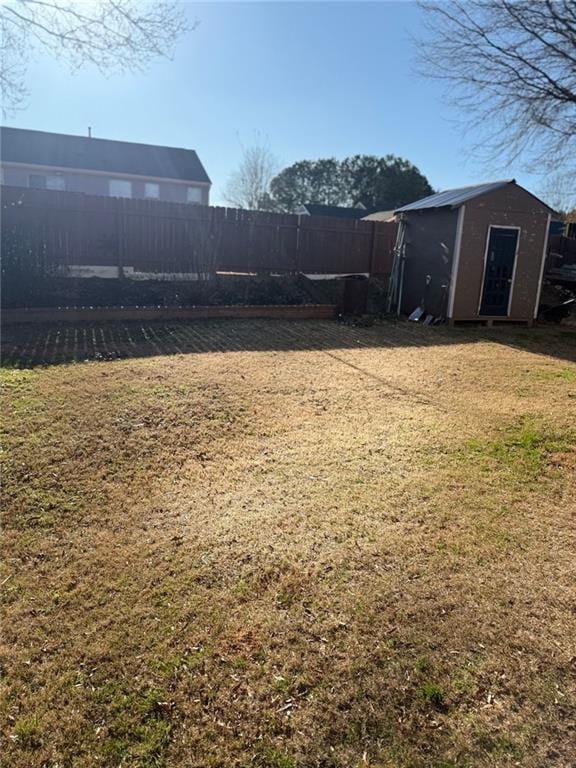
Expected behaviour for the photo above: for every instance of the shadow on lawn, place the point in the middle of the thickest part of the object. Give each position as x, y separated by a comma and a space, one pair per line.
28, 345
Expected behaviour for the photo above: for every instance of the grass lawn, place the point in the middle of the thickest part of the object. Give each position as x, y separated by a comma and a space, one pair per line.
268, 544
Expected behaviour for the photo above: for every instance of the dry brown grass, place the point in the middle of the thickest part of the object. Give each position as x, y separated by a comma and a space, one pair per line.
359, 554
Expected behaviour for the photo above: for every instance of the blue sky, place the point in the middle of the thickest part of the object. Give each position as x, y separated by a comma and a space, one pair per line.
316, 79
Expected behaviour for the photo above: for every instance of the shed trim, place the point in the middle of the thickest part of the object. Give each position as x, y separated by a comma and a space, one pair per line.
456, 259
542, 264
512, 279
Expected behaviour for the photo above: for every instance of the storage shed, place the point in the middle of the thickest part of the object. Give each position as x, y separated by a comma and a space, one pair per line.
470, 254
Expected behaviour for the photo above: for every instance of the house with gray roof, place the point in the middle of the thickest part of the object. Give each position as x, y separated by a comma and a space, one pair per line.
95, 166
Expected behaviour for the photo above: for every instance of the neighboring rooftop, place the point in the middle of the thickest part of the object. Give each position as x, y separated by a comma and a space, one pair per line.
379, 216
19, 145
338, 211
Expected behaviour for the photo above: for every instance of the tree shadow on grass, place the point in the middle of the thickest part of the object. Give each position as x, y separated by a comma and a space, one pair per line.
30, 345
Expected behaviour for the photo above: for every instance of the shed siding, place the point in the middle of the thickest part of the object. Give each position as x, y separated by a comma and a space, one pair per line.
509, 206
431, 236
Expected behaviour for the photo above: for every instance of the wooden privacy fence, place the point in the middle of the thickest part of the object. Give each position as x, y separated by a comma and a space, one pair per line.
562, 250
84, 235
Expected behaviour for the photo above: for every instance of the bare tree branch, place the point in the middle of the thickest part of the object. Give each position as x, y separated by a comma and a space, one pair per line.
113, 35
510, 66
249, 185
559, 191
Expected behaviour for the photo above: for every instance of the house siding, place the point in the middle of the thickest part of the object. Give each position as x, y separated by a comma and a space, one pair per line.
510, 206
97, 184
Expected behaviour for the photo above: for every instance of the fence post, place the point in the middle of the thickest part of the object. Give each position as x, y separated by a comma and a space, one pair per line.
119, 237
372, 249
298, 225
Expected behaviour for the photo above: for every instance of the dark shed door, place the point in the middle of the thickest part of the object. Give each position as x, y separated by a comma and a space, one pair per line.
499, 270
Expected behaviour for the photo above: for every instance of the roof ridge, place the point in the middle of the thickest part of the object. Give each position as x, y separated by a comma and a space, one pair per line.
95, 138
478, 184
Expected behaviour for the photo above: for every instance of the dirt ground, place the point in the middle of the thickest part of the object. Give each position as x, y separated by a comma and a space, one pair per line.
289, 545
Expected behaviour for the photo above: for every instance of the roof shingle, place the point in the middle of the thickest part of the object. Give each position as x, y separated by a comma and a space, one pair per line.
20, 145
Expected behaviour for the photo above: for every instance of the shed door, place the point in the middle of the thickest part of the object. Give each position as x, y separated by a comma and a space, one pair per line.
499, 270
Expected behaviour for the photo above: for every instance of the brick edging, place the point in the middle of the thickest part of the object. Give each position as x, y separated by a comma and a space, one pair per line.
90, 314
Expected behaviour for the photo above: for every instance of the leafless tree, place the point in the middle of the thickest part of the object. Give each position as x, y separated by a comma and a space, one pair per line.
511, 65
113, 35
248, 186
559, 191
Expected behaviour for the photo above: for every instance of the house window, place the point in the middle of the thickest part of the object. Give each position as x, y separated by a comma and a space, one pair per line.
42, 181
151, 190
55, 182
194, 195
119, 188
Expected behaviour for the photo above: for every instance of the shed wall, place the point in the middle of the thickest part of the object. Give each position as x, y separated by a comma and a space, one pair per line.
431, 236
509, 206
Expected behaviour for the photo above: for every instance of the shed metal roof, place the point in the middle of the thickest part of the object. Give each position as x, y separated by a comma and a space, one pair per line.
19, 145
454, 197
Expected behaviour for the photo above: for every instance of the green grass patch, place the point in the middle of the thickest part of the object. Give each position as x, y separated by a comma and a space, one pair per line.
171, 666
423, 664
137, 725
293, 685
432, 694
463, 682
242, 590
12, 593
13, 378
27, 732
524, 450
499, 746
565, 373
15, 383
271, 757
42, 508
